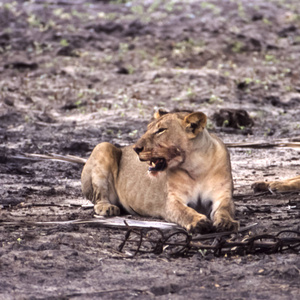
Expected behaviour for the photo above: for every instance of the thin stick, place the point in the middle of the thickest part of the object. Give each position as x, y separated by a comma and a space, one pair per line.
53, 156
264, 144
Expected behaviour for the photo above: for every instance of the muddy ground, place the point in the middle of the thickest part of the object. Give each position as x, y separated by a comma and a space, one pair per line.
76, 73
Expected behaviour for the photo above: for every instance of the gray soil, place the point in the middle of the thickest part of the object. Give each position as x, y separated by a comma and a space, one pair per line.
76, 73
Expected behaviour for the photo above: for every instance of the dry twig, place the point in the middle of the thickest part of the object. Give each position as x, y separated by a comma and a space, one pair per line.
294, 143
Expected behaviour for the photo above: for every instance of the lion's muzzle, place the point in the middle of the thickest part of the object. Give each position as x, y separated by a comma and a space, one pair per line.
156, 164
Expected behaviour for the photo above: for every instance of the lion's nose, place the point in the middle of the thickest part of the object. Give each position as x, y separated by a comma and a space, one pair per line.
138, 149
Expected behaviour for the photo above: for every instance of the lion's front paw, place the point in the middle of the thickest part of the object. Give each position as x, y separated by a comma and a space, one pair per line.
225, 223
201, 224
106, 210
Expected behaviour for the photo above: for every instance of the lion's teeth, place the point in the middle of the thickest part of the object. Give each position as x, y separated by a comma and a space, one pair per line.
153, 164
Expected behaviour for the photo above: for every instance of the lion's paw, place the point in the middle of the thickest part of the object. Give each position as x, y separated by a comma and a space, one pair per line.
260, 186
201, 225
106, 210
225, 223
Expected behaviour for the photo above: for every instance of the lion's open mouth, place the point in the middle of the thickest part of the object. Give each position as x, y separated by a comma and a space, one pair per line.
157, 164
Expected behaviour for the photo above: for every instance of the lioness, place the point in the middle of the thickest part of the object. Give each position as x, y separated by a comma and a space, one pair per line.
183, 176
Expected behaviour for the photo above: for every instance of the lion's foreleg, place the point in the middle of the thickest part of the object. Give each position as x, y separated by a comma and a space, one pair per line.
178, 212
223, 213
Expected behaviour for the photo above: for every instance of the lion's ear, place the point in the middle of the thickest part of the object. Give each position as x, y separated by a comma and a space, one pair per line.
159, 113
194, 123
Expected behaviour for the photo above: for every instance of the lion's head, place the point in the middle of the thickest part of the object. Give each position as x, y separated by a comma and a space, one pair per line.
168, 139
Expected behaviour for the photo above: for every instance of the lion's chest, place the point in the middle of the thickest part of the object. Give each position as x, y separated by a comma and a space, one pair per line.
194, 193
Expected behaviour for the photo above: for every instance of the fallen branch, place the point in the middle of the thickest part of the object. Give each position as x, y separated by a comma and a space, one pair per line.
279, 143
121, 223
103, 292
114, 222
57, 157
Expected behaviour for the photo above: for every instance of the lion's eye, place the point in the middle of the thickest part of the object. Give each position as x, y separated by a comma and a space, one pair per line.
160, 130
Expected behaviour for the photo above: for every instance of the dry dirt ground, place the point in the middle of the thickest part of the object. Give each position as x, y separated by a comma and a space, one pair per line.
76, 73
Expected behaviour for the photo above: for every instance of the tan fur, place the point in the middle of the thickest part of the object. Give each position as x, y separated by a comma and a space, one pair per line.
287, 185
194, 190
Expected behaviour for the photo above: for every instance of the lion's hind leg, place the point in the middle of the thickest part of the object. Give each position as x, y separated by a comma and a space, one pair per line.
98, 178
100, 197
